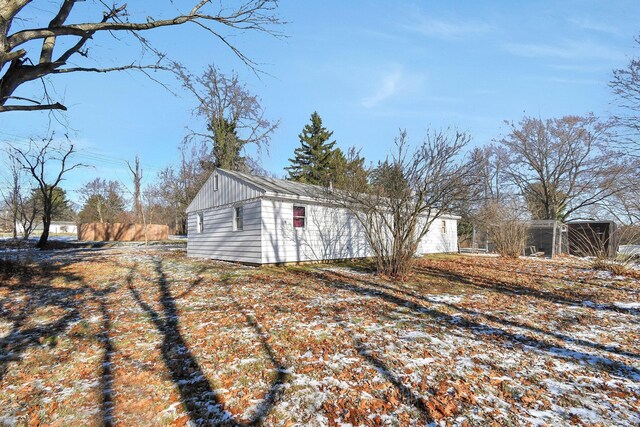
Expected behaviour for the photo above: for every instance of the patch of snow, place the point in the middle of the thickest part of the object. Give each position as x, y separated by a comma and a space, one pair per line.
627, 305
444, 298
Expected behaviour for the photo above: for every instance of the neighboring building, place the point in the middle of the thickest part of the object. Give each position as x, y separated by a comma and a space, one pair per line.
56, 227
593, 238
547, 236
259, 220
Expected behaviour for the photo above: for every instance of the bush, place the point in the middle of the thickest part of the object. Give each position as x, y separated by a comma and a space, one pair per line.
607, 265
505, 229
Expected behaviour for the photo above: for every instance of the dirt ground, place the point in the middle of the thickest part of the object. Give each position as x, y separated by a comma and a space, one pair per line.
125, 335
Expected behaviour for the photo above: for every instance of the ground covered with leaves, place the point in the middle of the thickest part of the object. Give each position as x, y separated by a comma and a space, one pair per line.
133, 336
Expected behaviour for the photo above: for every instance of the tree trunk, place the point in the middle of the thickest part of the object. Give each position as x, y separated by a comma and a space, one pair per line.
46, 224
14, 225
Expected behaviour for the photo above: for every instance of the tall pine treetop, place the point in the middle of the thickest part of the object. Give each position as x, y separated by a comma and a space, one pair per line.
313, 160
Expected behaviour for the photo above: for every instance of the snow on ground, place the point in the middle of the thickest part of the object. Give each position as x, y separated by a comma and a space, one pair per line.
145, 336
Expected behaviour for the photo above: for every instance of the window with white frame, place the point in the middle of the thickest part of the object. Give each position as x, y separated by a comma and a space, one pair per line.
443, 227
299, 216
200, 222
238, 220
215, 182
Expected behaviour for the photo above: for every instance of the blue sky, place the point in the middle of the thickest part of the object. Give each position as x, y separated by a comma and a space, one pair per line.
369, 68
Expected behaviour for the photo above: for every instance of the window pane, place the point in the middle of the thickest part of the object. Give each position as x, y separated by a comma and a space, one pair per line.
298, 211
298, 222
239, 221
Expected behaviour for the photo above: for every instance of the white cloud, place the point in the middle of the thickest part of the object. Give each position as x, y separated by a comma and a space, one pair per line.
567, 49
448, 30
588, 24
389, 86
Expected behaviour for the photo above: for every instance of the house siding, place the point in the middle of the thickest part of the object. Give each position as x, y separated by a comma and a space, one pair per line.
219, 240
329, 233
230, 190
436, 242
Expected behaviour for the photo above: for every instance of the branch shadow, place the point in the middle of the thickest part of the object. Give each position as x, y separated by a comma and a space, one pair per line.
371, 289
203, 404
563, 337
511, 289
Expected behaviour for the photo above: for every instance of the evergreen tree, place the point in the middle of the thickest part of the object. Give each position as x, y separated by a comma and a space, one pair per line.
313, 161
103, 202
61, 209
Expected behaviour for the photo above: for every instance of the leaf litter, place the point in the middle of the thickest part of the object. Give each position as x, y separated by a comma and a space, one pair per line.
135, 336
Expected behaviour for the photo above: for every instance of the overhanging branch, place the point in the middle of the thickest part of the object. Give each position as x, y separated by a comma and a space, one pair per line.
56, 106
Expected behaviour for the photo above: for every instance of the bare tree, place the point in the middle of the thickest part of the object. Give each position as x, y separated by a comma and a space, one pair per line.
23, 208
488, 166
39, 160
234, 117
64, 41
136, 174
406, 194
178, 186
626, 89
561, 166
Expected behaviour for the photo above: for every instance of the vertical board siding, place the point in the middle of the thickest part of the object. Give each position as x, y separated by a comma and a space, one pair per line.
331, 233
230, 190
219, 240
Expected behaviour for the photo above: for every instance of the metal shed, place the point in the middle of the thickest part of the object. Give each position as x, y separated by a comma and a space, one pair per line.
593, 238
548, 236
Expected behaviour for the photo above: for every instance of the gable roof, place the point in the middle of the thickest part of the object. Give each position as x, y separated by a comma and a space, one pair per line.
276, 187
272, 187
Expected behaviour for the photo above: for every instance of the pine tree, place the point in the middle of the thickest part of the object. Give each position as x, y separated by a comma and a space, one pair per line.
313, 161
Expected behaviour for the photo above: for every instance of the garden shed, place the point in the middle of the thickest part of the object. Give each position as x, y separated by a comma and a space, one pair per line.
261, 220
593, 238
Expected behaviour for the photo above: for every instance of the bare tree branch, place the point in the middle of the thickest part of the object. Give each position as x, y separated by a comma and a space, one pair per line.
20, 65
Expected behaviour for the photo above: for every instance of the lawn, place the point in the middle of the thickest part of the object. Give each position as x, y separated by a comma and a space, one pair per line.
126, 336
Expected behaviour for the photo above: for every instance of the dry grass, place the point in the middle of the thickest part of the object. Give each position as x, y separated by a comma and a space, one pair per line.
131, 337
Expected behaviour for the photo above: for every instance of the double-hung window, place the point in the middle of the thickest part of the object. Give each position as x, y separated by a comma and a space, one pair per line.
238, 218
200, 222
299, 216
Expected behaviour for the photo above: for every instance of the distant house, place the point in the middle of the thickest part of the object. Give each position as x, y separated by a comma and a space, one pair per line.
259, 220
56, 227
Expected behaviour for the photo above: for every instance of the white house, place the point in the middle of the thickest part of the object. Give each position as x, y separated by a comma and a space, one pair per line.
259, 220
56, 227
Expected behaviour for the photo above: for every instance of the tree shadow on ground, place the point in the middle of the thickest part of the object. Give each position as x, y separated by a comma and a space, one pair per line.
505, 322
28, 288
204, 406
26, 298
372, 289
515, 289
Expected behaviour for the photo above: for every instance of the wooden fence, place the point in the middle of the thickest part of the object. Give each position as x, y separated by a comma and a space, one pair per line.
121, 232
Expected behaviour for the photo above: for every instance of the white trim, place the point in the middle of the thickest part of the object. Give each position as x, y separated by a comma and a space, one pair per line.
305, 217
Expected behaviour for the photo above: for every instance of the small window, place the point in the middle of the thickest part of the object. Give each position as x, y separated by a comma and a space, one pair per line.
443, 227
299, 216
238, 218
215, 182
200, 222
